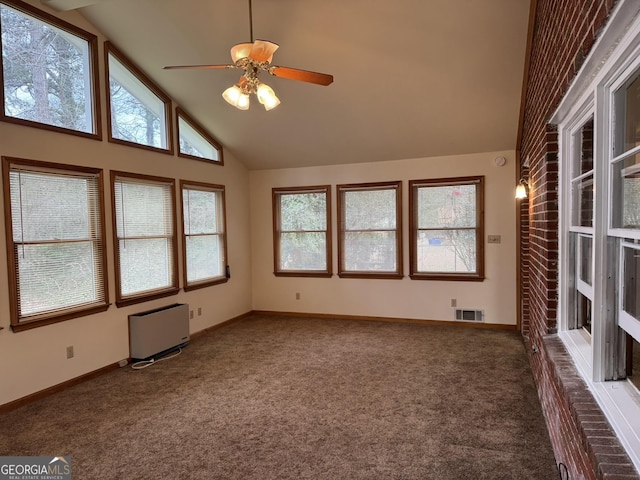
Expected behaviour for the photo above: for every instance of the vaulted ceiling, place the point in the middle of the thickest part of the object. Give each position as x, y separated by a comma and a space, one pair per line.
412, 78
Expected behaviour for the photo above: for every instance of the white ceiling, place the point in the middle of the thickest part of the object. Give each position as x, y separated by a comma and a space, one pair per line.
412, 78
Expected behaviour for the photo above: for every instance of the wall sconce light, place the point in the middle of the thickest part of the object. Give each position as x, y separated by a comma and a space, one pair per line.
522, 190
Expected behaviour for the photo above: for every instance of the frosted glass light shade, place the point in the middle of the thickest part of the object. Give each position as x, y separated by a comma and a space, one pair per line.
267, 97
241, 50
235, 96
243, 102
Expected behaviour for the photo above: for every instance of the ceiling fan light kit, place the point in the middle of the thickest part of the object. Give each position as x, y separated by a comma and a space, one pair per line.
267, 97
252, 58
234, 96
255, 57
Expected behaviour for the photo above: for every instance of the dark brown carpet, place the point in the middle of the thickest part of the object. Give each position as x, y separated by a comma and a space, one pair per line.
290, 398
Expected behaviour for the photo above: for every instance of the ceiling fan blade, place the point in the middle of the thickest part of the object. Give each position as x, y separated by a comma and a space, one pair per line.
302, 75
175, 67
263, 50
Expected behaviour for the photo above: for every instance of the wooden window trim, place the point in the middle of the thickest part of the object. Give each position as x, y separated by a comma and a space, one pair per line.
219, 280
69, 313
109, 48
92, 42
478, 275
275, 192
180, 113
160, 293
340, 189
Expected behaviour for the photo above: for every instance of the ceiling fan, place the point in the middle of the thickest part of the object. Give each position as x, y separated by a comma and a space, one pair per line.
255, 57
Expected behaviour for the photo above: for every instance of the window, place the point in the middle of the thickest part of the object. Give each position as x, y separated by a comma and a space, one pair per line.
204, 239
599, 236
48, 71
302, 232
55, 242
139, 112
633, 361
447, 228
629, 296
581, 227
624, 207
195, 142
145, 237
370, 230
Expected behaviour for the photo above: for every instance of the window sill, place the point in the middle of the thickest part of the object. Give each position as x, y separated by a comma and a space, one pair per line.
373, 275
49, 320
619, 400
119, 141
304, 274
579, 347
196, 286
447, 277
146, 298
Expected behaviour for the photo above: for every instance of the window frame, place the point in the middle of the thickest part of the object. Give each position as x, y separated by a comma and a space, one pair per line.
199, 129
576, 231
414, 185
276, 192
110, 49
174, 288
93, 96
220, 196
601, 359
627, 322
58, 315
396, 186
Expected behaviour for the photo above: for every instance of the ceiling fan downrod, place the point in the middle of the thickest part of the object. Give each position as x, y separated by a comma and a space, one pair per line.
250, 22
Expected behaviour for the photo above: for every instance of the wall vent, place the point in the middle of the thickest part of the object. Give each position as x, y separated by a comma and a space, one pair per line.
469, 315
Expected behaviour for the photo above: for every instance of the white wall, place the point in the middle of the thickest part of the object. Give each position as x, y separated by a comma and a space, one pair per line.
35, 359
406, 298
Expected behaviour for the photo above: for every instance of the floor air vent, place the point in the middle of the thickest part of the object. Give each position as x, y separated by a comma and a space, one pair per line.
469, 315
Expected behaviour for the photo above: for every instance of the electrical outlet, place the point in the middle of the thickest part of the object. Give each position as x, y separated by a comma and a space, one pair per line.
70, 351
190, 314
454, 302
297, 295
199, 311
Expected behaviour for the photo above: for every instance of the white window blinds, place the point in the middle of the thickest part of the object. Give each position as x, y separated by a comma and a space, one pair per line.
145, 229
203, 212
57, 240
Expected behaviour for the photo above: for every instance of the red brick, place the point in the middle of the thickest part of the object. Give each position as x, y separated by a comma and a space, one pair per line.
564, 33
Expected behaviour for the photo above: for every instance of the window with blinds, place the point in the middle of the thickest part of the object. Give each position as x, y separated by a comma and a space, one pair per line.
370, 230
302, 231
145, 237
447, 228
204, 238
55, 213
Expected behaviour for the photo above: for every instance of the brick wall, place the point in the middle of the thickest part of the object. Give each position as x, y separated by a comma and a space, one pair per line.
562, 34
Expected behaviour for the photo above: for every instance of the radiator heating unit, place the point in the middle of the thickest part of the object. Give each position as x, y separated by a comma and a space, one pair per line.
157, 331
